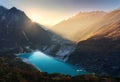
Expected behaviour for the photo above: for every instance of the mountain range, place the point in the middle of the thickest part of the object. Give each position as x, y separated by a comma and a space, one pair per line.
100, 53
74, 27
96, 36
86, 24
19, 32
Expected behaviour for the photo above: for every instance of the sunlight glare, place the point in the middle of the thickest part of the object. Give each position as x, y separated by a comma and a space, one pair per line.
35, 19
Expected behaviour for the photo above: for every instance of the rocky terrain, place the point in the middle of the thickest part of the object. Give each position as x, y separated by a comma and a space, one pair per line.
101, 52
74, 27
17, 31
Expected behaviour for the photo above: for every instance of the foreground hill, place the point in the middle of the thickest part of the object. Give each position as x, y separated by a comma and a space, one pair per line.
12, 72
101, 52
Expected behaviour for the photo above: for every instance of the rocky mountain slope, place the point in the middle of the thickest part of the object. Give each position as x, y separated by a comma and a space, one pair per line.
17, 31
73, 27
101, 52
107, 20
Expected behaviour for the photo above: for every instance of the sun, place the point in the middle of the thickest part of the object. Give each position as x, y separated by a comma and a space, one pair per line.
35, 18
41, 19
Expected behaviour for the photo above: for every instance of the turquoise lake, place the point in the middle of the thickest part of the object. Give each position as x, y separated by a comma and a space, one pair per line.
49, 64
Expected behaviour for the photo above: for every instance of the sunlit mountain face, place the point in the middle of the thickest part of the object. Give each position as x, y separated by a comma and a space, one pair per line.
74, 27
85, 25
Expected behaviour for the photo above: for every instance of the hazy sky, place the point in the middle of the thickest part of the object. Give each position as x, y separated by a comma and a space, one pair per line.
49, 12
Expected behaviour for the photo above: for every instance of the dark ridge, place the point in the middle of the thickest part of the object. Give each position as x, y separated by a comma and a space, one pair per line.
1, 7
13, 9
2, 10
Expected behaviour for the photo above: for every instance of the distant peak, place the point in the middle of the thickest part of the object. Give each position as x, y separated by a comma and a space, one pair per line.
17, 13
13, 8
118, 8
86, 12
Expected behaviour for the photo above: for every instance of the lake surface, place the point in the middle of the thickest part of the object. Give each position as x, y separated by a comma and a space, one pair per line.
49, 64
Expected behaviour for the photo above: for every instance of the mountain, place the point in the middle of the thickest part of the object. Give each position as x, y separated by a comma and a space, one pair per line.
2, 10
109, 31
101, 52
105, 21
17, 31
72, 27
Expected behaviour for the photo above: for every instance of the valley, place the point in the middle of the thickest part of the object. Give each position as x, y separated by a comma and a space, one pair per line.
86, 45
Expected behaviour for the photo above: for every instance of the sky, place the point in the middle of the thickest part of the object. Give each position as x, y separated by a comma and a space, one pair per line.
50, 12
